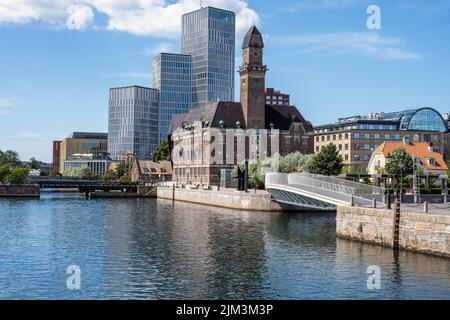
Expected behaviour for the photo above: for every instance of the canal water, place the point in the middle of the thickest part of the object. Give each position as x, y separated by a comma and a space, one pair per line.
154, 249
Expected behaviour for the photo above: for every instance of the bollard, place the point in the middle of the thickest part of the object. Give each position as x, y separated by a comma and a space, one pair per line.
352, 201
425, 207
375, 203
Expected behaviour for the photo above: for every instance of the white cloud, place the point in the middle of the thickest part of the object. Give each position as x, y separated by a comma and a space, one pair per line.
356, 43
129, 75
7, 102
320, 4
140, 17
79, 17
162, 47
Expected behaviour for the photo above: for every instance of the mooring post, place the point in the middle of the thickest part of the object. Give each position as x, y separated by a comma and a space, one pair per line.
396, 225
173, 193
352, 201
375, 203
425, 207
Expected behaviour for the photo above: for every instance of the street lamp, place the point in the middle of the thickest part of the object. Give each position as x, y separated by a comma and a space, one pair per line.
388, 162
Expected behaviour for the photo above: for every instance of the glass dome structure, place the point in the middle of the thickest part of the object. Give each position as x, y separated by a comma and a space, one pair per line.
423, 119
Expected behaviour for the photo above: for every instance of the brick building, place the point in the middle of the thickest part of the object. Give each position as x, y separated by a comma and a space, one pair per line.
201, 139
276, 98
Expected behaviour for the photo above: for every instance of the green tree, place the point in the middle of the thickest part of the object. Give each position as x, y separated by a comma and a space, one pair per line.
294, 162
4, 171
394, 169
35, 164
86, 173
125, 179
122, 168
162, 152
327, 162
109, 176
18, 175
9, 157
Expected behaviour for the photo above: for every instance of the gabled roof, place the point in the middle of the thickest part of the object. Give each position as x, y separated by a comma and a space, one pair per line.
251, 36
213, 113
283, 117
419, 150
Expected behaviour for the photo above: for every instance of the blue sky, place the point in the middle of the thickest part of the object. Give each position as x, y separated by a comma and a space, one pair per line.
58, 58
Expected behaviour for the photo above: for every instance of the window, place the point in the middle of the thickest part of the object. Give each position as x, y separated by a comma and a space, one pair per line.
377, 136
397, 136
367, 136
357, 135
366, 146
387, 136
346, 146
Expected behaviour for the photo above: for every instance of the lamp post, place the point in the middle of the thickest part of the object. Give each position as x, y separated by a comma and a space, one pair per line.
388, 162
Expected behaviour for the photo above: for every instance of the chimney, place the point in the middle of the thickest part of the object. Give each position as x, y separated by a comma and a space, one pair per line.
430, 147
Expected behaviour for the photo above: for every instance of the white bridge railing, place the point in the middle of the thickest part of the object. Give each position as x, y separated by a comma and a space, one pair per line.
328, 188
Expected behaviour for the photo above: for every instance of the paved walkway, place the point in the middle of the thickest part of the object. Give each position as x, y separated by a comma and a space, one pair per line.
433, 208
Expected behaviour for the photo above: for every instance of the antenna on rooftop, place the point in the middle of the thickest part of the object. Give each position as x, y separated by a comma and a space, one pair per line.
201, 3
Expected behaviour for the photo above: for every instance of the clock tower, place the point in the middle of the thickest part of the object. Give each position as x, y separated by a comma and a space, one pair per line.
253, 74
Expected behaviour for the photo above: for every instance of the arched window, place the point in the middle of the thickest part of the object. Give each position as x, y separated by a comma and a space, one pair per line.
425, 119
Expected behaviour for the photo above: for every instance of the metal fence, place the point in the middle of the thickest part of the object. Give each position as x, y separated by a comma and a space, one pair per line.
330, 187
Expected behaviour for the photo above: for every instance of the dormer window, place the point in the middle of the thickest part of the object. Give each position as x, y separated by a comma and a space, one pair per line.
431, 161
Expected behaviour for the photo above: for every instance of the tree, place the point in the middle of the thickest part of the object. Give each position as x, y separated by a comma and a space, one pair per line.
35, 164
327, 162
109, 176
400, 156
162, 152
124, 179
86, 173
9, 157
18, 175
4, 171
122, 168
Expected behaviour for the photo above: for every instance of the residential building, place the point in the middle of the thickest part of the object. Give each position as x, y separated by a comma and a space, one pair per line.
79, 143
208, 35
98, 163
172, 77
358, 136
282, 130
133, 122
423, 152
151, 171
276, 98
446, 117
55, 155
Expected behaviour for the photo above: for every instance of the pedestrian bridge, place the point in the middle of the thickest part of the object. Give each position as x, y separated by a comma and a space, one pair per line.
316, 192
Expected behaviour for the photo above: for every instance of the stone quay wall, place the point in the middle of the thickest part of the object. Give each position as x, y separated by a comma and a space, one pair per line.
25, 191
225, 198
422, 232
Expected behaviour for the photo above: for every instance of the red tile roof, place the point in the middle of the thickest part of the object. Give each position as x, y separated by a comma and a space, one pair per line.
417, 149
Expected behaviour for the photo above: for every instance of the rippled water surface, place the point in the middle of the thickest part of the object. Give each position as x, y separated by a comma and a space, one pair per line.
153, 249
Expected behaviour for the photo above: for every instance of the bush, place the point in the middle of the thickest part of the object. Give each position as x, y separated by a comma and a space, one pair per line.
124, 179
18, 175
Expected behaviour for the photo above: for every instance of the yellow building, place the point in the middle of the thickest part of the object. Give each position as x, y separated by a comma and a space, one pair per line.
82, 143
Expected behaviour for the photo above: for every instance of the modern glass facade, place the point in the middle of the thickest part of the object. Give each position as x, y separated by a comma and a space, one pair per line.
133, 122
208, 35
172, 76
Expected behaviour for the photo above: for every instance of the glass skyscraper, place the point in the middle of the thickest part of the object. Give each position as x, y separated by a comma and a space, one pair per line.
172, 76
133, 122
208, 35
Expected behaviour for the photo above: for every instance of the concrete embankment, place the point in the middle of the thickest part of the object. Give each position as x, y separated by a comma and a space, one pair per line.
19, 191
225, 198
421, 232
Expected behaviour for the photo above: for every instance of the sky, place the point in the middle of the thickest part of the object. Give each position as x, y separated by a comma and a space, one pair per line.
58, 58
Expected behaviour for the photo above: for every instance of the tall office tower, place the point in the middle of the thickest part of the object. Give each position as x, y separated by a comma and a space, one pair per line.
172, 76
208, 35
133, 122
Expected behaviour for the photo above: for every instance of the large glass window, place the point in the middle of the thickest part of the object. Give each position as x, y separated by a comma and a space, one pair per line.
424, 120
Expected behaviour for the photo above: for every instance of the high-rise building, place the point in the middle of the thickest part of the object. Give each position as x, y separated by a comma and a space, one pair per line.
133, 122
172, 76
56, 155
208, 35
276, 98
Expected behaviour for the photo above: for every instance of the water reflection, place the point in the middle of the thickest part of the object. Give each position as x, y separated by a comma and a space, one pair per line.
149, 249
